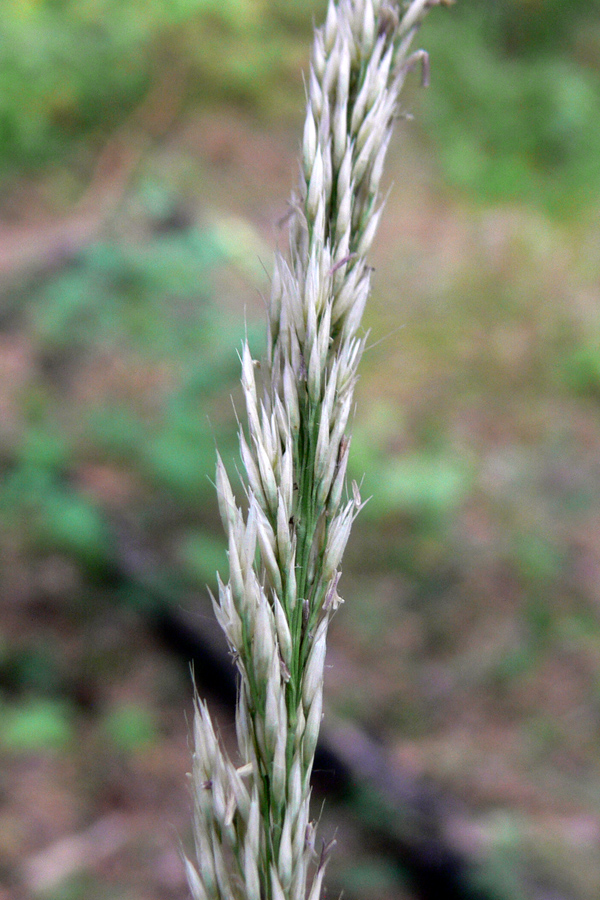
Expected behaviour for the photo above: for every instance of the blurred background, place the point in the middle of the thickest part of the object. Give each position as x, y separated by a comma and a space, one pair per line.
147, 151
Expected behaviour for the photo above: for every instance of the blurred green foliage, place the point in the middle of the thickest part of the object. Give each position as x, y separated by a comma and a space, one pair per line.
130, 727
424, 486
146, 307
77, 68
38, 724
371, 877
149, 296
580, 369
35, 668
515, 112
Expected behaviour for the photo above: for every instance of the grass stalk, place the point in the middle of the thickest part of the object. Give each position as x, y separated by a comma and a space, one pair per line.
253, 832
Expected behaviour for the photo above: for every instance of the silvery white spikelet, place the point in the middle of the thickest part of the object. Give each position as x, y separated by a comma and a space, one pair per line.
254, 838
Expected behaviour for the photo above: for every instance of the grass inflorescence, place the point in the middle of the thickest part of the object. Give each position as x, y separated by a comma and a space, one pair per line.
254, 836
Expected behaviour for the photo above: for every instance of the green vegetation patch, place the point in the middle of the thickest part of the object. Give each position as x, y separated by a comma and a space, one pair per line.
37, 725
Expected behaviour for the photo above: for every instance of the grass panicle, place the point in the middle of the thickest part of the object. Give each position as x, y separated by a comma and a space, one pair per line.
253, 832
